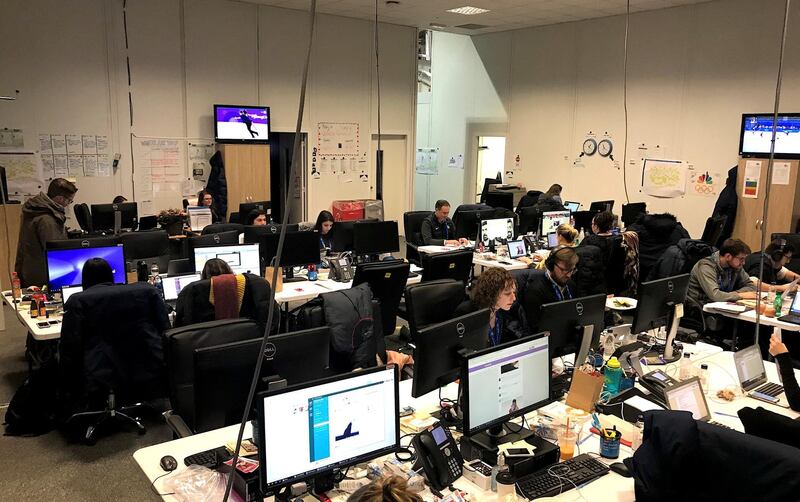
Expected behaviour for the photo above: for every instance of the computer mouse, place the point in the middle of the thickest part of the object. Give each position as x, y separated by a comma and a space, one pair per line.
620, 469
168, 463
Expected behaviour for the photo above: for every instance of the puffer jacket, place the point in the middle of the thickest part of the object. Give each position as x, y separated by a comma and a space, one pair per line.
42, 221
656, 232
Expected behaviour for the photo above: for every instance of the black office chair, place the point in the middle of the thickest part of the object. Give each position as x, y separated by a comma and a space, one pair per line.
387, 279
83, 216
110, 355
583, 221
713, 230
632, 211
432, 302
179, 347
211, 240
412, 226
450, 265
217, 228
500, 199
528, 200
234, 217
151, 247
487, 182
467, 221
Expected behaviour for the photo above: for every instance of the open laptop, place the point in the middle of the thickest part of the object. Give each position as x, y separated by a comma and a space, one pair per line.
753, 376
688, 396
174, 284
517, 249
572, 206
794, 310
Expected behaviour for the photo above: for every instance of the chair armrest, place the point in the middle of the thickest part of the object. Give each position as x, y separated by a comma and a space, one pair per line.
412, 254
176, 423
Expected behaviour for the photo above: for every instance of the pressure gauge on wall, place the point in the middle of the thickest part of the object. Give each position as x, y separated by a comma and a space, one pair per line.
589, 147
605, 147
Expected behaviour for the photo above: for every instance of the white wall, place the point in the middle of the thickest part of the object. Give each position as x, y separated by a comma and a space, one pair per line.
693, 71
69, 61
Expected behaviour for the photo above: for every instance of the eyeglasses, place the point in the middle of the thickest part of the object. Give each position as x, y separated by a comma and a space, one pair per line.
567, 271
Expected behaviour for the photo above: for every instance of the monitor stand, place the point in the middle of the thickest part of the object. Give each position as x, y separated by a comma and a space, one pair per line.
667, 353
507, 432
289, 275
117, 222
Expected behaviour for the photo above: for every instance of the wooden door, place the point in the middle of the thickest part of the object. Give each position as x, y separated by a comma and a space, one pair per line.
247, 171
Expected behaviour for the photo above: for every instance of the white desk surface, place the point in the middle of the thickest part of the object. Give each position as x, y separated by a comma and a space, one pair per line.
750, 316
486, 260
307, 290
22, 312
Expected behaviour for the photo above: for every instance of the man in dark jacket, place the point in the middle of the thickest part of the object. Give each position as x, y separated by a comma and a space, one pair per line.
217, 185
726, 205
656, 232
554, 284
438, 229
43, 218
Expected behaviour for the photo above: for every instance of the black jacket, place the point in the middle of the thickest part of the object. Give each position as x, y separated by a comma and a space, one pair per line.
537, 290
349, 314
548, 204
42, 221
679, 259
217, 186
435, 233
511, 327
727, 203
529, 199
753, 265
790, 387
193, 305
656, 232
610, 255
590, 277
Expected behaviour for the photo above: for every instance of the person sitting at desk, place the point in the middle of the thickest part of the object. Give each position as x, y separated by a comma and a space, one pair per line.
784, 360
386, 489
721, 276
495, 290
554, 284
221, 294
777, 254
438, 229
566, 236
551, 199
256, 217
323, 226
205, 199
602, 233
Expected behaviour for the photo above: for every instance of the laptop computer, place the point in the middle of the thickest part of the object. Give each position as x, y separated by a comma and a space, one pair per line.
688, 396
794, 310
517, 249
552, 240
753, 376
174, 284
572, 206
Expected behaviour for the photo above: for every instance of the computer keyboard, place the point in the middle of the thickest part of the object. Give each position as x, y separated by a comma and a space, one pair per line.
561, 477
770, 389
210, 458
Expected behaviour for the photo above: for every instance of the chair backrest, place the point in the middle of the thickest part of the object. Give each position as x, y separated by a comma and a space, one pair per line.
451, 265
217, 228
387, 279
632, 211
500, 199
412, 225
713, 230
432, 302
180, 344
466, 219
529, 199
487, 182
152, 247
529, 219
83, 216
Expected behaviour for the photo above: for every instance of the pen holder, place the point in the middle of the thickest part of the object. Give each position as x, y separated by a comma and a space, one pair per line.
609, 446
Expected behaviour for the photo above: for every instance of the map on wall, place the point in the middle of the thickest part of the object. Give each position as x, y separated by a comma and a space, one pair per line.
23, 174
338, 138
664, 178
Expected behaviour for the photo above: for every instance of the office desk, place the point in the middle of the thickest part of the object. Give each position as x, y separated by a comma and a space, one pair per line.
22, 312
484, 262
308, 290
750, 316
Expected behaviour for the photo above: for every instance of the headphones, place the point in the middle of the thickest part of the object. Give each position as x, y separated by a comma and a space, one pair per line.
780, 252
552, 258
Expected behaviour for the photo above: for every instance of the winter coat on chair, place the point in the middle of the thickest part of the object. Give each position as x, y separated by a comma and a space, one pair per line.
656, 232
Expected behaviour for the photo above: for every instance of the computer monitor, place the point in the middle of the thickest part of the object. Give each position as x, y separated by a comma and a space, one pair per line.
241, 124
343, 235
583, 221
228, 238
574, 325
65, 266
552, 219
467, 223
306, 431
222, 373
103, 216
241, 257
504, 382
92, 242
440, 348
497, 230
529, 218
67, 291
174, 284
375, 237
755, 136
299, 248
246, 207
601, 205
656, 309
572, 206
252, 233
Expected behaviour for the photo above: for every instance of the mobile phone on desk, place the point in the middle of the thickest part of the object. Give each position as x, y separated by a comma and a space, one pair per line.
43, 324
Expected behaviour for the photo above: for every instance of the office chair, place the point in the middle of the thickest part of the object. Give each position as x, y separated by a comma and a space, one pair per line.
529, 199
467, 221
234, 217
387, 279
713, 230
432, 302
632, 211
529, 220
500, 200
217, 228
152, 247
83, 216
487, 182
412, 225
450, 265
111, 352
179, 347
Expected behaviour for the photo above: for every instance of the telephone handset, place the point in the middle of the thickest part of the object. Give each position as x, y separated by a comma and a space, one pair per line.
341, 270
438, 454
657, 382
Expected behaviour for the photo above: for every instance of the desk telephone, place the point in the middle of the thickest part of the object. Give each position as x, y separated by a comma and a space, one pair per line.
657, 382
439, 456
341, 269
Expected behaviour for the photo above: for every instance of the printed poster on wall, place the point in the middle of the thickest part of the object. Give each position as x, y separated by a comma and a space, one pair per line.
664, 178
427, 161
781, 173
705, 184
338, 138
752, 175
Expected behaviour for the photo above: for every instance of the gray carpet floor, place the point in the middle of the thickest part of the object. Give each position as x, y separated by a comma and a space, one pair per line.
48, 467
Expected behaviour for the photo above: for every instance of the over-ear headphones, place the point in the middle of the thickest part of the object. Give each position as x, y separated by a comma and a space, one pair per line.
552, 258
780, 251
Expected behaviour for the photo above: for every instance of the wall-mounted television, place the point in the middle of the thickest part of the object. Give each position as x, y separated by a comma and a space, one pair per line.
756, 134
241, 124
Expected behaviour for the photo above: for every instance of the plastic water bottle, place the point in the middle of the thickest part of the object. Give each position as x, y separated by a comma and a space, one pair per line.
778, 304
685, 371
612, 376
704, 377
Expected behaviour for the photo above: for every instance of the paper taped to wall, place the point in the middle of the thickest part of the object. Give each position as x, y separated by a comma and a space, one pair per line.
338, 138
23, 174
664, 178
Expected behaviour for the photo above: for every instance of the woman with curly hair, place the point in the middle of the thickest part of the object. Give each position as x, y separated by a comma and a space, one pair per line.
496, 290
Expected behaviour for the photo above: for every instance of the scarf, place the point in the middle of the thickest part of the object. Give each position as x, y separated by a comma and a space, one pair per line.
226, 295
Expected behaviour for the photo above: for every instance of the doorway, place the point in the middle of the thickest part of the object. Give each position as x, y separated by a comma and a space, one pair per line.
491, 160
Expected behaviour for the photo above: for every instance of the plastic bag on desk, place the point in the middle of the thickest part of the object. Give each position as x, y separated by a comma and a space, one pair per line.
196, 484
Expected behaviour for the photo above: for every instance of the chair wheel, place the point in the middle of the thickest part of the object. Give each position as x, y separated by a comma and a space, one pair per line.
90, 438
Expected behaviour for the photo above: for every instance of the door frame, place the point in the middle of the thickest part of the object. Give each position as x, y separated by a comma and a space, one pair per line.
474, 131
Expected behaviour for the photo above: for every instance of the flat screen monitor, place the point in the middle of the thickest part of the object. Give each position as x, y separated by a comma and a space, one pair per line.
529, 218
67, 291
174, 284
504, 382
566, 322
228, 238
601, 205
375, 237
343, 235
552, 219
572, 206
241, 124
310, 429
755, 136
222, 373
103, 215
299, 249
241, 257
252, 233
497, 230
440, 348
65, 266
93, 242
467, 223
656, 301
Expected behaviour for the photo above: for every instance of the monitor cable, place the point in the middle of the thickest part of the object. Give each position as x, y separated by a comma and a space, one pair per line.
281, 240
625, 103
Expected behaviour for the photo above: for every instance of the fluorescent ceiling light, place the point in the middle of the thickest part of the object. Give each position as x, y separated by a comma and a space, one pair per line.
468, 10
